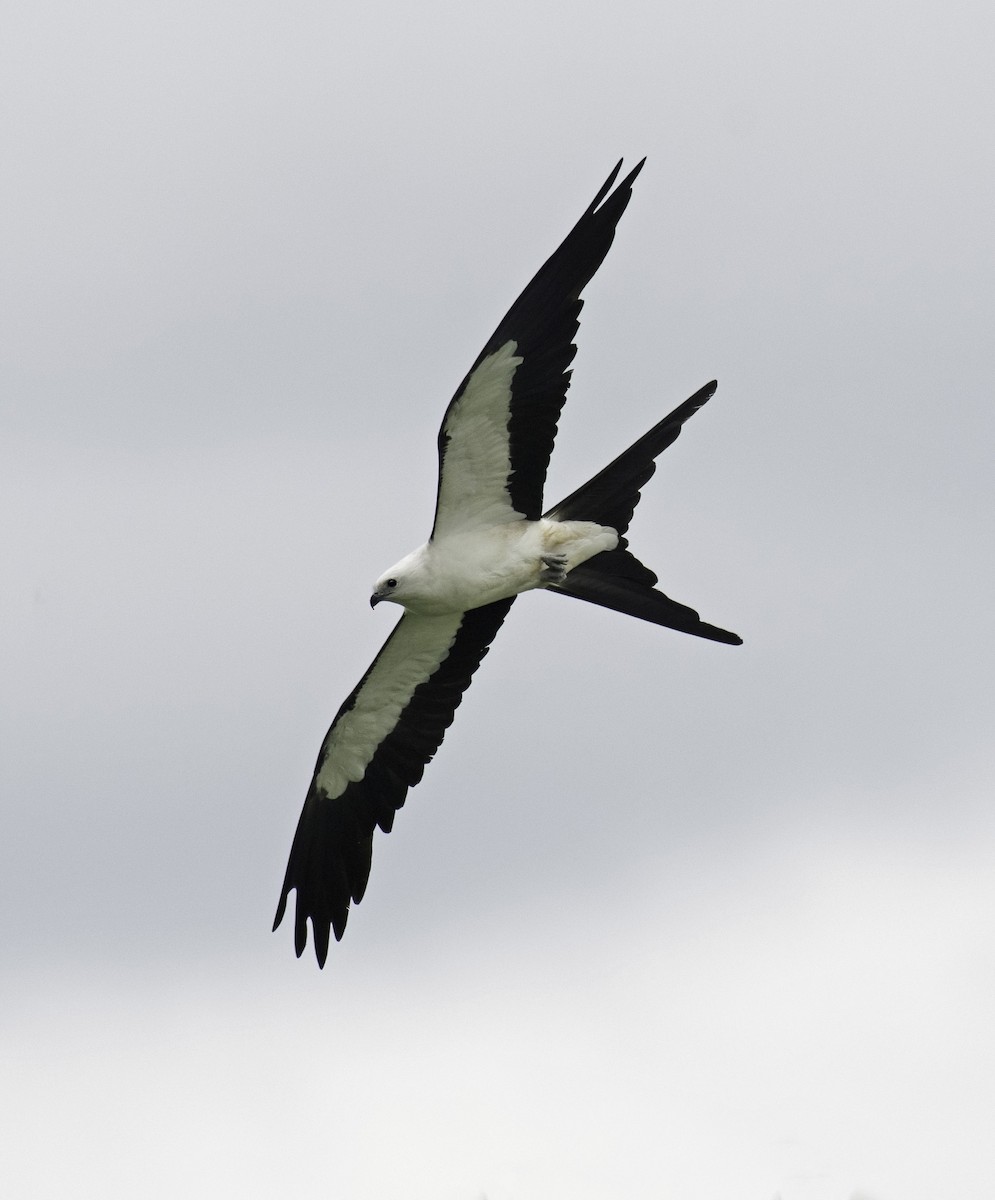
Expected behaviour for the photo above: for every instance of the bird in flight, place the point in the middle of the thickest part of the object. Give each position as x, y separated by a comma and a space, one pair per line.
491, 540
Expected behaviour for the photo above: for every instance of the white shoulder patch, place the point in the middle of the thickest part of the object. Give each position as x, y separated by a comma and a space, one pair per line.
473, 487
413, 653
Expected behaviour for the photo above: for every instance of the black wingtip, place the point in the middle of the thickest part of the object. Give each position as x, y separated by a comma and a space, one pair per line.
319, 933
627, 181
623, 187
606, 187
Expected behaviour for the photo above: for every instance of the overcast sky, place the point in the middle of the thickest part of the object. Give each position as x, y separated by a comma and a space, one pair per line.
665, 918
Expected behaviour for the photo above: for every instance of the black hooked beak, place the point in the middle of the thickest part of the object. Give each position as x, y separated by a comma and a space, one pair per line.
375, 600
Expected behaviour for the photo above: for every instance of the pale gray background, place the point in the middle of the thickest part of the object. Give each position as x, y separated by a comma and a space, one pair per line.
665, 919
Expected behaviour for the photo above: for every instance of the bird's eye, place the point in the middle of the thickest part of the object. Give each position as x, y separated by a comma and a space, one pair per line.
392, 583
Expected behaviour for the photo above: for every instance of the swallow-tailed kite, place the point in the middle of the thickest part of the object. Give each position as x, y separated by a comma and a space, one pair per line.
491, 540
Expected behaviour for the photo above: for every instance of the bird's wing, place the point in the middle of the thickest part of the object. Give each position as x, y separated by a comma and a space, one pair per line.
498, 431
377, 747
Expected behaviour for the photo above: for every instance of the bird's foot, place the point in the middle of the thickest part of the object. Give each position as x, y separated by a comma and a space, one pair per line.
554, 568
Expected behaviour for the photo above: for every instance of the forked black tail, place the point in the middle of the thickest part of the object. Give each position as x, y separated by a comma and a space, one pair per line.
616, 578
